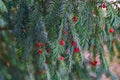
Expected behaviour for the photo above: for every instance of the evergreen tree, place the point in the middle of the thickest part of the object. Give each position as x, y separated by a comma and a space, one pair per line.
57, 39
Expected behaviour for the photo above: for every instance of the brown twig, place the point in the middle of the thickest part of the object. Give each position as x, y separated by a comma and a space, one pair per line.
5, 28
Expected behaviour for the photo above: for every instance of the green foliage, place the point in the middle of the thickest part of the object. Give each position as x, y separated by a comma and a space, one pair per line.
44, 22
30, 2
2, 7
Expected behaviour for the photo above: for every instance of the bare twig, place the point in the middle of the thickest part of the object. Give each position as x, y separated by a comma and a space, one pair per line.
5, 28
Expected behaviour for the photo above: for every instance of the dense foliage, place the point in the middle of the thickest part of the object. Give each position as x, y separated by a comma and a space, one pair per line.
57, 39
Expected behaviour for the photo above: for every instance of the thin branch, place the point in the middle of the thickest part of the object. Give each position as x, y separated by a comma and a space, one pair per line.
5, 28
